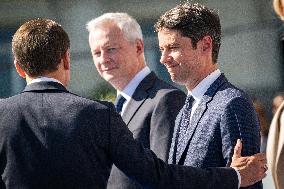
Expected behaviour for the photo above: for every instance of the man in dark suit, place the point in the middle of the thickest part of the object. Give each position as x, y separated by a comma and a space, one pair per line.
51, 138
151, 104
216, 113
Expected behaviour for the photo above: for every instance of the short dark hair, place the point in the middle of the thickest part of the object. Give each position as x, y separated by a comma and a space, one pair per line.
38, 45
195, 21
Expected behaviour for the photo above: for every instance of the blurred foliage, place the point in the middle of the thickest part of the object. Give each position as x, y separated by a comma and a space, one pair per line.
103, 91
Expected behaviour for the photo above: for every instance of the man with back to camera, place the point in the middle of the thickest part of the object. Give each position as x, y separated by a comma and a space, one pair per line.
150, 104
216, 113
51, 138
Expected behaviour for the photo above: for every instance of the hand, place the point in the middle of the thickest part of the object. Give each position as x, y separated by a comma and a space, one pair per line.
252, 168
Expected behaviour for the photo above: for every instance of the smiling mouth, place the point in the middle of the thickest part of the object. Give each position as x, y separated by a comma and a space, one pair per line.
168, 66
108, 69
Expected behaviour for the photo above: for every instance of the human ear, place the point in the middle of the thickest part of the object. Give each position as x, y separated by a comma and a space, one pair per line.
206, 43
20, 71
139, 46
66, 60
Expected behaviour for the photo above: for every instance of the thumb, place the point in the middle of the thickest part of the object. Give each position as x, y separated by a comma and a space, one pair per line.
238, 149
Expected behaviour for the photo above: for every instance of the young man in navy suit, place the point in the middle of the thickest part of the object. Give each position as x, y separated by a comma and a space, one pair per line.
51, 138
216, 113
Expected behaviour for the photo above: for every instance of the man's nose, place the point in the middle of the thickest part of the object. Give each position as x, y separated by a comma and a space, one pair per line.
165, 57
105, 58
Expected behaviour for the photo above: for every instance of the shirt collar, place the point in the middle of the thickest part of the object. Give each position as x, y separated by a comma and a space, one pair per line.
42, 79
128, 91
202, 87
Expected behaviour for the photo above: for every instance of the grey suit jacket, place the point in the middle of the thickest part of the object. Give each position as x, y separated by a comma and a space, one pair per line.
150, 116
223, 115
50, 138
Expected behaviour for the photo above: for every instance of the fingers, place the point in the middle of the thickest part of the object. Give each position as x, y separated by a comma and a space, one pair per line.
254, 170
250, 177
238, 149
261, 176
260, 167
265, 167
260, 157
239, 162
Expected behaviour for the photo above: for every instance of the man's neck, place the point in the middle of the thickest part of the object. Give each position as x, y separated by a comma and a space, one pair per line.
43, 79
120, 84
51, 76
130, 88
195, 81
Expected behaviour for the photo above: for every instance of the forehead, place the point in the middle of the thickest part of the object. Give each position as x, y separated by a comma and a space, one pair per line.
108, 32
169, 36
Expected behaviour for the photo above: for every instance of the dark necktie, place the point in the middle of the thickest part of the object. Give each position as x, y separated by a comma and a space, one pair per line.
186, 112
119, 103
183, 124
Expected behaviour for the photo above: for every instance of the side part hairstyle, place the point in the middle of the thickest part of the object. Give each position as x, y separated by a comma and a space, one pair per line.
194, 21
38, 46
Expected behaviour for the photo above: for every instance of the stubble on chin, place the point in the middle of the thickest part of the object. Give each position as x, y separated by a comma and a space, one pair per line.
174, 78
178, 79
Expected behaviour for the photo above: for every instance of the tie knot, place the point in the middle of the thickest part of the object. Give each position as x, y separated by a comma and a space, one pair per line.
119, 103
189, 101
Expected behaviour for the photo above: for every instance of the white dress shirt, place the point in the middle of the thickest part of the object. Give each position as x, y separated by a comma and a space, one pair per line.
198, 91
130, 88
41, 79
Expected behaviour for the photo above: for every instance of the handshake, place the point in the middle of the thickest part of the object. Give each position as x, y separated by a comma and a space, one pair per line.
251, 168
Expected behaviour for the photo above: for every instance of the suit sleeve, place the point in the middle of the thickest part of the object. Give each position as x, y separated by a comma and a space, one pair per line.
143, 166
163, 122
240, 121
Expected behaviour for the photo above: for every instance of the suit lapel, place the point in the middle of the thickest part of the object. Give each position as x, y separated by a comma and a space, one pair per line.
198, 114
133, 106
139, 97
193, 123
173, 150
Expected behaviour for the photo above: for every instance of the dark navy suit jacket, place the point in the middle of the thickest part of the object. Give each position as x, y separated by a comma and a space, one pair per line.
223, 115
50, 138
150, 116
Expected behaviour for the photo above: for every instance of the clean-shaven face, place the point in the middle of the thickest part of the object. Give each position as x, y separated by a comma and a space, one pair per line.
114, 56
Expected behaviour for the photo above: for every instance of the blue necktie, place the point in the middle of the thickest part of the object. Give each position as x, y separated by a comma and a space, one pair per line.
119, 103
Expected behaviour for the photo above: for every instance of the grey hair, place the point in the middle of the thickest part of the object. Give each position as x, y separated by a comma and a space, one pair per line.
128, 25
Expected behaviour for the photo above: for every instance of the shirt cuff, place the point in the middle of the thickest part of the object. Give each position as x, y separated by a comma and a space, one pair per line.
239, 176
